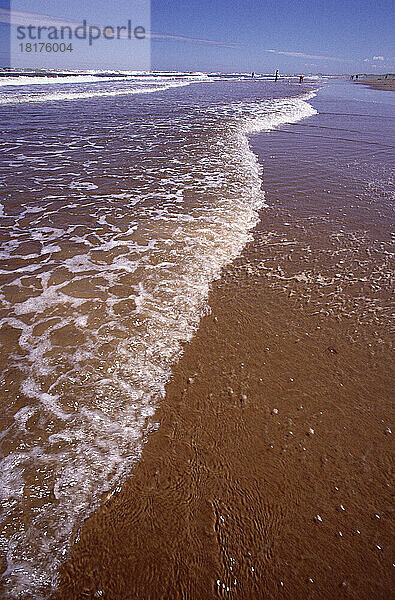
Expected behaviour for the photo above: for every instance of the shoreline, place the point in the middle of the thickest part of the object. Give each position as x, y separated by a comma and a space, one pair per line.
269, 472
225, 482
379, 83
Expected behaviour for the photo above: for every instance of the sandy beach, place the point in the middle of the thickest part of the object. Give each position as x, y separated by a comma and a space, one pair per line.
379, 83
269, 475
196, 300
259, 479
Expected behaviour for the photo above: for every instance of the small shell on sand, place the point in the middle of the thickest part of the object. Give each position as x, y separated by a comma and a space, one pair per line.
275, 411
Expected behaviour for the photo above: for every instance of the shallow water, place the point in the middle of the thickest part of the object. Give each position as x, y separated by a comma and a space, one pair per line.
334, 210
118, 210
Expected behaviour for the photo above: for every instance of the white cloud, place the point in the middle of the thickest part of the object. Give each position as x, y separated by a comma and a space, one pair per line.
303, 55
183, 38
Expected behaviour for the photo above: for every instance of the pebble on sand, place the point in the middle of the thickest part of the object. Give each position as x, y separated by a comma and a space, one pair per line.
275, 411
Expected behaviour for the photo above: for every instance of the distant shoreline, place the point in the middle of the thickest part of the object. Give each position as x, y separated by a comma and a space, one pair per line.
379, 83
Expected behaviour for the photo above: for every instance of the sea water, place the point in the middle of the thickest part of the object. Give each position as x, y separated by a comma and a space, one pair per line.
121, 200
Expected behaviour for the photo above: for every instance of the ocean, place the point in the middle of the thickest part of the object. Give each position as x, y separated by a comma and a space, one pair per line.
121, 201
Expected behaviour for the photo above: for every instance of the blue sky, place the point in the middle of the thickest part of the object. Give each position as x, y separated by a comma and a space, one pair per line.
295, 36
347, 31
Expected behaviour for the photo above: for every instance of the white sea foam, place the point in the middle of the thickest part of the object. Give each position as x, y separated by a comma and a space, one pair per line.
80, 95
24, 80
95, 411
280, 112
124, 76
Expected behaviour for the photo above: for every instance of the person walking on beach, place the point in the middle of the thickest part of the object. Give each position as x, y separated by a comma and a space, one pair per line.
301, 77
276, 75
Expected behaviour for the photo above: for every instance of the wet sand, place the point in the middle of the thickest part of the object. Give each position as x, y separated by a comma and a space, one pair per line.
380, 83
269, 474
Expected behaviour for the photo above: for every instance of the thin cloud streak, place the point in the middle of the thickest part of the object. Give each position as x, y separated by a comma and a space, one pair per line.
183, 38
303, 55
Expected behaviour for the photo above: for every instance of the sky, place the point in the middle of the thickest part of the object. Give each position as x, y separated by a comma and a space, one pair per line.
294, 36
330, 36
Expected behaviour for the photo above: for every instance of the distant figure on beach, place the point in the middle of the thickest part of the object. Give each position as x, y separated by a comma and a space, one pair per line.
276, 75
301, 78
352, 77
356, 76
253, 74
